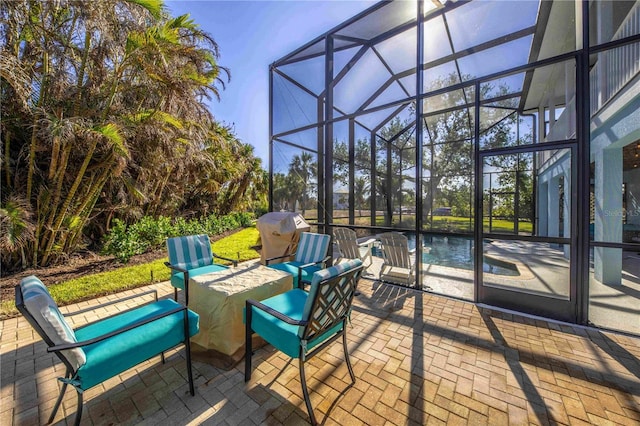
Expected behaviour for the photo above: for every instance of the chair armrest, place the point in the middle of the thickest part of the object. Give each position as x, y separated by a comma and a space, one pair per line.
175, 268
114, 333
185, 272
266, 261
306, 265
273, 312
367, 243
234, 262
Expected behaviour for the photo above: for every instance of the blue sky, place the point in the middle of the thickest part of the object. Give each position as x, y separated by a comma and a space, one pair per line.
251, 35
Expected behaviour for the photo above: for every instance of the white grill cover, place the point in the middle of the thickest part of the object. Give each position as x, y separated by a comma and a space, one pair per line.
279, 233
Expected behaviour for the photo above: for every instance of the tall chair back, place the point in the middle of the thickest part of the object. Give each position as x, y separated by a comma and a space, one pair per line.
191, 255
312, 247
398, 260
310, 256
190, 252
349, 246
330, 297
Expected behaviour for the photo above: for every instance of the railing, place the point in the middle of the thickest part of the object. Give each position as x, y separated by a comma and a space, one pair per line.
615, 68
565, 125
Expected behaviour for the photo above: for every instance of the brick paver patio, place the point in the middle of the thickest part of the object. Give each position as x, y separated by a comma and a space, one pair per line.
419, 359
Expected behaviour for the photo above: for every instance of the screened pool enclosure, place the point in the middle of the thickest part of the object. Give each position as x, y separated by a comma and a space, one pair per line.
502, 137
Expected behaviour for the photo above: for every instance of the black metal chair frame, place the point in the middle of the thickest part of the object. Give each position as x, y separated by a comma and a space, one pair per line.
301, 282
312, 329
70, 371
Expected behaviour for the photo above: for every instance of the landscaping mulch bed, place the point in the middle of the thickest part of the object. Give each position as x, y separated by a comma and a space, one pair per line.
80, 265
77, 266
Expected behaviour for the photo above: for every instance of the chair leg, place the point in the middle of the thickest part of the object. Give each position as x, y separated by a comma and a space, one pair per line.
305, 393
187, 346
383, 270
247, 344
59, 400
79, 409
369, 256
346, 353
175, 294
190, 371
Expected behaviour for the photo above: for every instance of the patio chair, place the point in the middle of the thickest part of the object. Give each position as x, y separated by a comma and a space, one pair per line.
398, 261
301, 324
190, 256
350, 248
103, 349
310, 257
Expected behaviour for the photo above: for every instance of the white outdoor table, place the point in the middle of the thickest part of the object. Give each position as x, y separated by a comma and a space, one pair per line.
219, 298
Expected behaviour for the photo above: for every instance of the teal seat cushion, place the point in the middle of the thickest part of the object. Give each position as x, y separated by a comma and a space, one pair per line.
177, 279
116, 354
292, 268
281, 335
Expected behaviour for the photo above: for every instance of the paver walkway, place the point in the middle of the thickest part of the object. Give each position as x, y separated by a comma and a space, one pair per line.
419, 359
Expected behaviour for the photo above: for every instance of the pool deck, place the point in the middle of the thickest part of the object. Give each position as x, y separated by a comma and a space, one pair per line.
419, 359
543, 270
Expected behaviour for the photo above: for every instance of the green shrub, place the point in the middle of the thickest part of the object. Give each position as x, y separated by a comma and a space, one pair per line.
120, 242
152, 232
262, 210
245, 219
124, 241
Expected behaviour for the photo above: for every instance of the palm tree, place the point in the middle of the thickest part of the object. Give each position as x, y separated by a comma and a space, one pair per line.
361, 189
248, 183
302, 170
103, 117
283, 192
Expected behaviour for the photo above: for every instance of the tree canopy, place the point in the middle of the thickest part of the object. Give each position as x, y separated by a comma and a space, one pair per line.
104, 116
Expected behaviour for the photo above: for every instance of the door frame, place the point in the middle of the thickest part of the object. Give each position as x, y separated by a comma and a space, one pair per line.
522, 301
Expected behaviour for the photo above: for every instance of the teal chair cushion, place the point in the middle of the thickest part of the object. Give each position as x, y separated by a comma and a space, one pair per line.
177, 279
281, 335
292, 268
114, 355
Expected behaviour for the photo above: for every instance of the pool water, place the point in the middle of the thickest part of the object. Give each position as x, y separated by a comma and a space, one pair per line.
456, 252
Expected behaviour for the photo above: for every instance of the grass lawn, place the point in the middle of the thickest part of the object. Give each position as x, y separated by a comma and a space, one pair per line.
444, 223
235, 246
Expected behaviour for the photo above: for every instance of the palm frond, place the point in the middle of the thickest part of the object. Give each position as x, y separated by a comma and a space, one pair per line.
161, 116
111, 132
154, 7
15, 224
133, 189
183, 22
